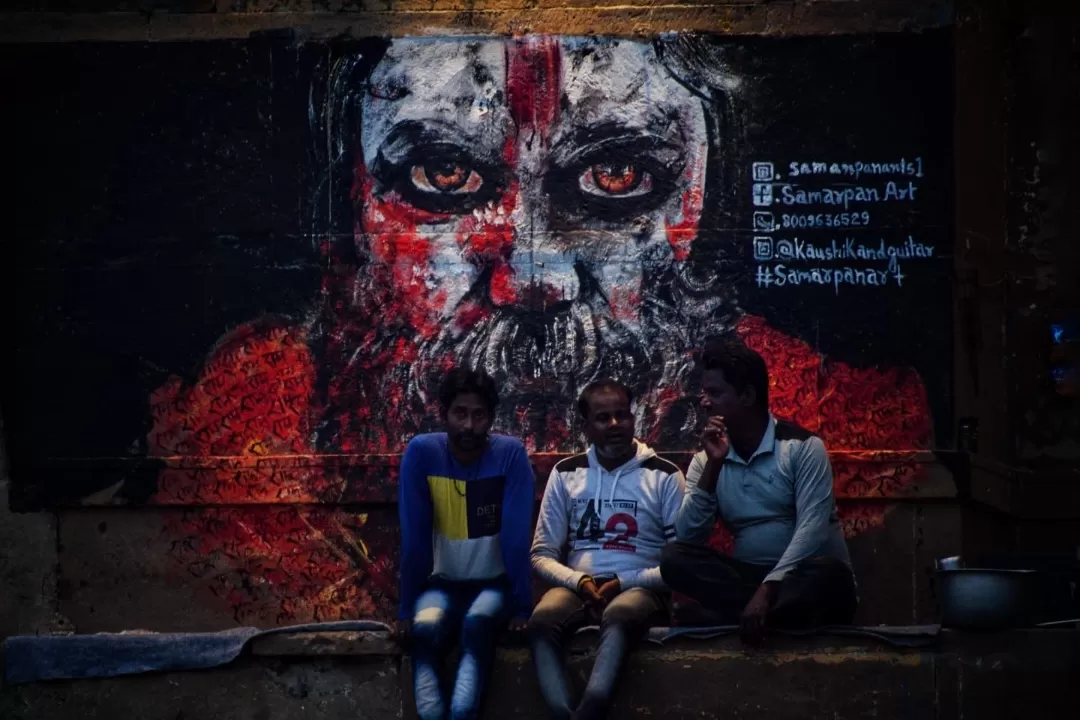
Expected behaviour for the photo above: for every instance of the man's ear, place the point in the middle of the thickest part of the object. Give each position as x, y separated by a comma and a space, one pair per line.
748, 396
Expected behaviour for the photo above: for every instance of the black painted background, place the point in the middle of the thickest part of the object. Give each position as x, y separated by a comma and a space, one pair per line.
161, 194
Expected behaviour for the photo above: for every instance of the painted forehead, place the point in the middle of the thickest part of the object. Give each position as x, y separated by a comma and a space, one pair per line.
619, 82
460, 87
441, 88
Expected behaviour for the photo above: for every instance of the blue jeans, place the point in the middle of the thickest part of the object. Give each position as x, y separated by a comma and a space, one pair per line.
469, 613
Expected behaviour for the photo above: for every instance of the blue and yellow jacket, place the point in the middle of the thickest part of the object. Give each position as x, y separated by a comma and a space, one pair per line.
465, 523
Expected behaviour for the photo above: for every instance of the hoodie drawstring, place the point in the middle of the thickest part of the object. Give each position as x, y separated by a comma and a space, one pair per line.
600, 485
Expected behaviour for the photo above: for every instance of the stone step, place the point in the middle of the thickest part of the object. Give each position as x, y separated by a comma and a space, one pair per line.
1015, 674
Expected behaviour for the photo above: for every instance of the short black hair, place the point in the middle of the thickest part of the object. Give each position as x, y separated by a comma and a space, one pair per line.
464, 381
742, 366
602, 384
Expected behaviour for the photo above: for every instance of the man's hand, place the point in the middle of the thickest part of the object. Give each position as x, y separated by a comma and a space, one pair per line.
752, 620
588, 592
610, 589
714, 439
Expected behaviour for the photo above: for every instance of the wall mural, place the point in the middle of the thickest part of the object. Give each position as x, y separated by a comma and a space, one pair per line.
552, 209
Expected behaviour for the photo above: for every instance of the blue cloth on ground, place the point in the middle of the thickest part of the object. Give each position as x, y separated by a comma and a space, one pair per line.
32, 658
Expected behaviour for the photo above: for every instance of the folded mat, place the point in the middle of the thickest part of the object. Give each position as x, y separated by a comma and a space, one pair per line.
32, 658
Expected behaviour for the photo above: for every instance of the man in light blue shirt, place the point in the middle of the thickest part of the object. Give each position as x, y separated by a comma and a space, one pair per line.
770, 482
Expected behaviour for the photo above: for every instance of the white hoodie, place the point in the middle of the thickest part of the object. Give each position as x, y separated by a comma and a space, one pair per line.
609, 523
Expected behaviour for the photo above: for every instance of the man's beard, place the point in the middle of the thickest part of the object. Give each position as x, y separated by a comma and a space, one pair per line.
542, 360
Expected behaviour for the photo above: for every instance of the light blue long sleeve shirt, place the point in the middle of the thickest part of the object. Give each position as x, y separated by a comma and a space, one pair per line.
778, 504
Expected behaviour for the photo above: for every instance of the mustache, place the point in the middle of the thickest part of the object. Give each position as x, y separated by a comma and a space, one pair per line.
575, 342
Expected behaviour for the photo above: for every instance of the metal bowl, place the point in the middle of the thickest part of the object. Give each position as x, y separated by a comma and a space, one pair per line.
984, 598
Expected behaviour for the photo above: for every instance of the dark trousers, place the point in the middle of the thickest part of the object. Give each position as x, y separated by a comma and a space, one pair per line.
558, 615
469, 613
819, 591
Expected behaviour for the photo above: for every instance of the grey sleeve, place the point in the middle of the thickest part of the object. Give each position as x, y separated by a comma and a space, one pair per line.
697, 514
814, 505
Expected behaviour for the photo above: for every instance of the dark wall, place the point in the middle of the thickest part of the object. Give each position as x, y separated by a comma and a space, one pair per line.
173, 193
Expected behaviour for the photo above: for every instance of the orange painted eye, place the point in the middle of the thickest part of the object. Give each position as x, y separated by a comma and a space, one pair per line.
615, 180
449, 178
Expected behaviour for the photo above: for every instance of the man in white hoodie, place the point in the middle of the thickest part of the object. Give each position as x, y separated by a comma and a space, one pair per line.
604, 520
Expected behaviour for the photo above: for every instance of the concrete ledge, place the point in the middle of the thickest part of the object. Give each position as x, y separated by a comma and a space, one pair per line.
384, 644
1016, 674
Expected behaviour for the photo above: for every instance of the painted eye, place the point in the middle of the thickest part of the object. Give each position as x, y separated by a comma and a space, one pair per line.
615, 180
448, 178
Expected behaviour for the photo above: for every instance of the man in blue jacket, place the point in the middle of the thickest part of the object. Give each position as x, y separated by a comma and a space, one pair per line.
465, 502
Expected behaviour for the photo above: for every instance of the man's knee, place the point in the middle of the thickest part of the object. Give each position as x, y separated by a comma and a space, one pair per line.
634, 608
484, 618
543, 624
676, 561
552, 612
820, 590
429, 626
825, 570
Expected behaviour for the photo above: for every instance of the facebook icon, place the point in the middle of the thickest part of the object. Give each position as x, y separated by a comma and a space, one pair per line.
762, 194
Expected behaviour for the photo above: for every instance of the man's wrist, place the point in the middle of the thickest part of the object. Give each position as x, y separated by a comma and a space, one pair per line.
770, 587
710, 475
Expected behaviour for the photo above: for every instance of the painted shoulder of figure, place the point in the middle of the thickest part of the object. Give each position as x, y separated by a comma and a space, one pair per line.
848, 407
252, 397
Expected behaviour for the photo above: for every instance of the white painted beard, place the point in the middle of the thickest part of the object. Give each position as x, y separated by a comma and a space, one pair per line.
542, 361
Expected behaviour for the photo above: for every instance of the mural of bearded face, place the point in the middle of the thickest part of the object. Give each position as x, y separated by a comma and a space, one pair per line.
551, 210
523, 206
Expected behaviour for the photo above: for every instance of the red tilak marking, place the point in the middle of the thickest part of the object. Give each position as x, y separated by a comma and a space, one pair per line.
533, 74
532, 83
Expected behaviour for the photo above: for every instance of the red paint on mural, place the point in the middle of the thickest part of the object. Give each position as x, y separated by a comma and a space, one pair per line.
533, 224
